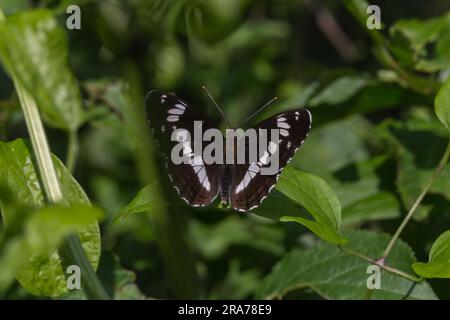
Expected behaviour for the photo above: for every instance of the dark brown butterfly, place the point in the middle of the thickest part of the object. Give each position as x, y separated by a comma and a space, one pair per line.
243, 186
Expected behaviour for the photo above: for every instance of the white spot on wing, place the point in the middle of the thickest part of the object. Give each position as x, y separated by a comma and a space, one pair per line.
272, 147
172, 118
175, 111
283, 125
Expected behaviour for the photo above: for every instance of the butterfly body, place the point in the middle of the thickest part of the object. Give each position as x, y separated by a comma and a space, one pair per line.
225, 183
241, 184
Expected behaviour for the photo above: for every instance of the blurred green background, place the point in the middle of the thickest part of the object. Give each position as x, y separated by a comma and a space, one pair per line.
374, 139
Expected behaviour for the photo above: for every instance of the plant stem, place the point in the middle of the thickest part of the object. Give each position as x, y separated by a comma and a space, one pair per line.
384, 267
40, 145
72, 150
72, 244
419, 199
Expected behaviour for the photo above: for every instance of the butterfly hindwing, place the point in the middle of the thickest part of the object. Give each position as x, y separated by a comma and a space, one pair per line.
196, 182
249, 186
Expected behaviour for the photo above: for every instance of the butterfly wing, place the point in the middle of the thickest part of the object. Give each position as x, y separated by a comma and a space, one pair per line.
196, 182
249, 186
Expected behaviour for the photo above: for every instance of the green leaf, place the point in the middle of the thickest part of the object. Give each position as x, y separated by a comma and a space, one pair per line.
32, 256
145, 201
438, 265
433, 65
214, 19
361, 190
334, 274
339, 90
342, 142
213, 240
238, 283
415, 167
382, 205
20, 176
33, 49
313, 194
119, 281
419, 33
442, 104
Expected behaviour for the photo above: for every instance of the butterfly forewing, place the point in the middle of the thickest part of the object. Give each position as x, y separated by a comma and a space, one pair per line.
196, 182
249, 185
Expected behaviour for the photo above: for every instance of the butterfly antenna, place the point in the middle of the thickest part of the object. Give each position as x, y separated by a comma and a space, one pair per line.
259, 110
218, 108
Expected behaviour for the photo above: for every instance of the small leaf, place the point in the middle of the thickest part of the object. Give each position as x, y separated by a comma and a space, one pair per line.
119, 281
339, 90
439, 261
146, 200
334, 274
20, 176
442, 104
33, 49
313, 194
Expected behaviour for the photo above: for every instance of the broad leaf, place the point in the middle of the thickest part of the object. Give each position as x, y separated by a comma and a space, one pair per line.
334, 274
31, 255
313, 194
33, 49
20, 176
439, 262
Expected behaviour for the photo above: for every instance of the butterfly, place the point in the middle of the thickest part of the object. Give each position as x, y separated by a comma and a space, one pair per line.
243, 186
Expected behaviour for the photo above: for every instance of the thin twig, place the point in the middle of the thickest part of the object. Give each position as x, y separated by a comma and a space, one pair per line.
382, 266
419, 199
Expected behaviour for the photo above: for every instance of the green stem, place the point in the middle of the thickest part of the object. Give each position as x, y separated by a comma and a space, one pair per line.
384, 267
72, 150
52, 188
419, 199
40, 145
72, 245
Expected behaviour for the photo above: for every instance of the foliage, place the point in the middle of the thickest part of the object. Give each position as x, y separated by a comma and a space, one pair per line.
370, 186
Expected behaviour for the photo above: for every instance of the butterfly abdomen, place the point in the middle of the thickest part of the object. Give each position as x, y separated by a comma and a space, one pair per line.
225, 184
